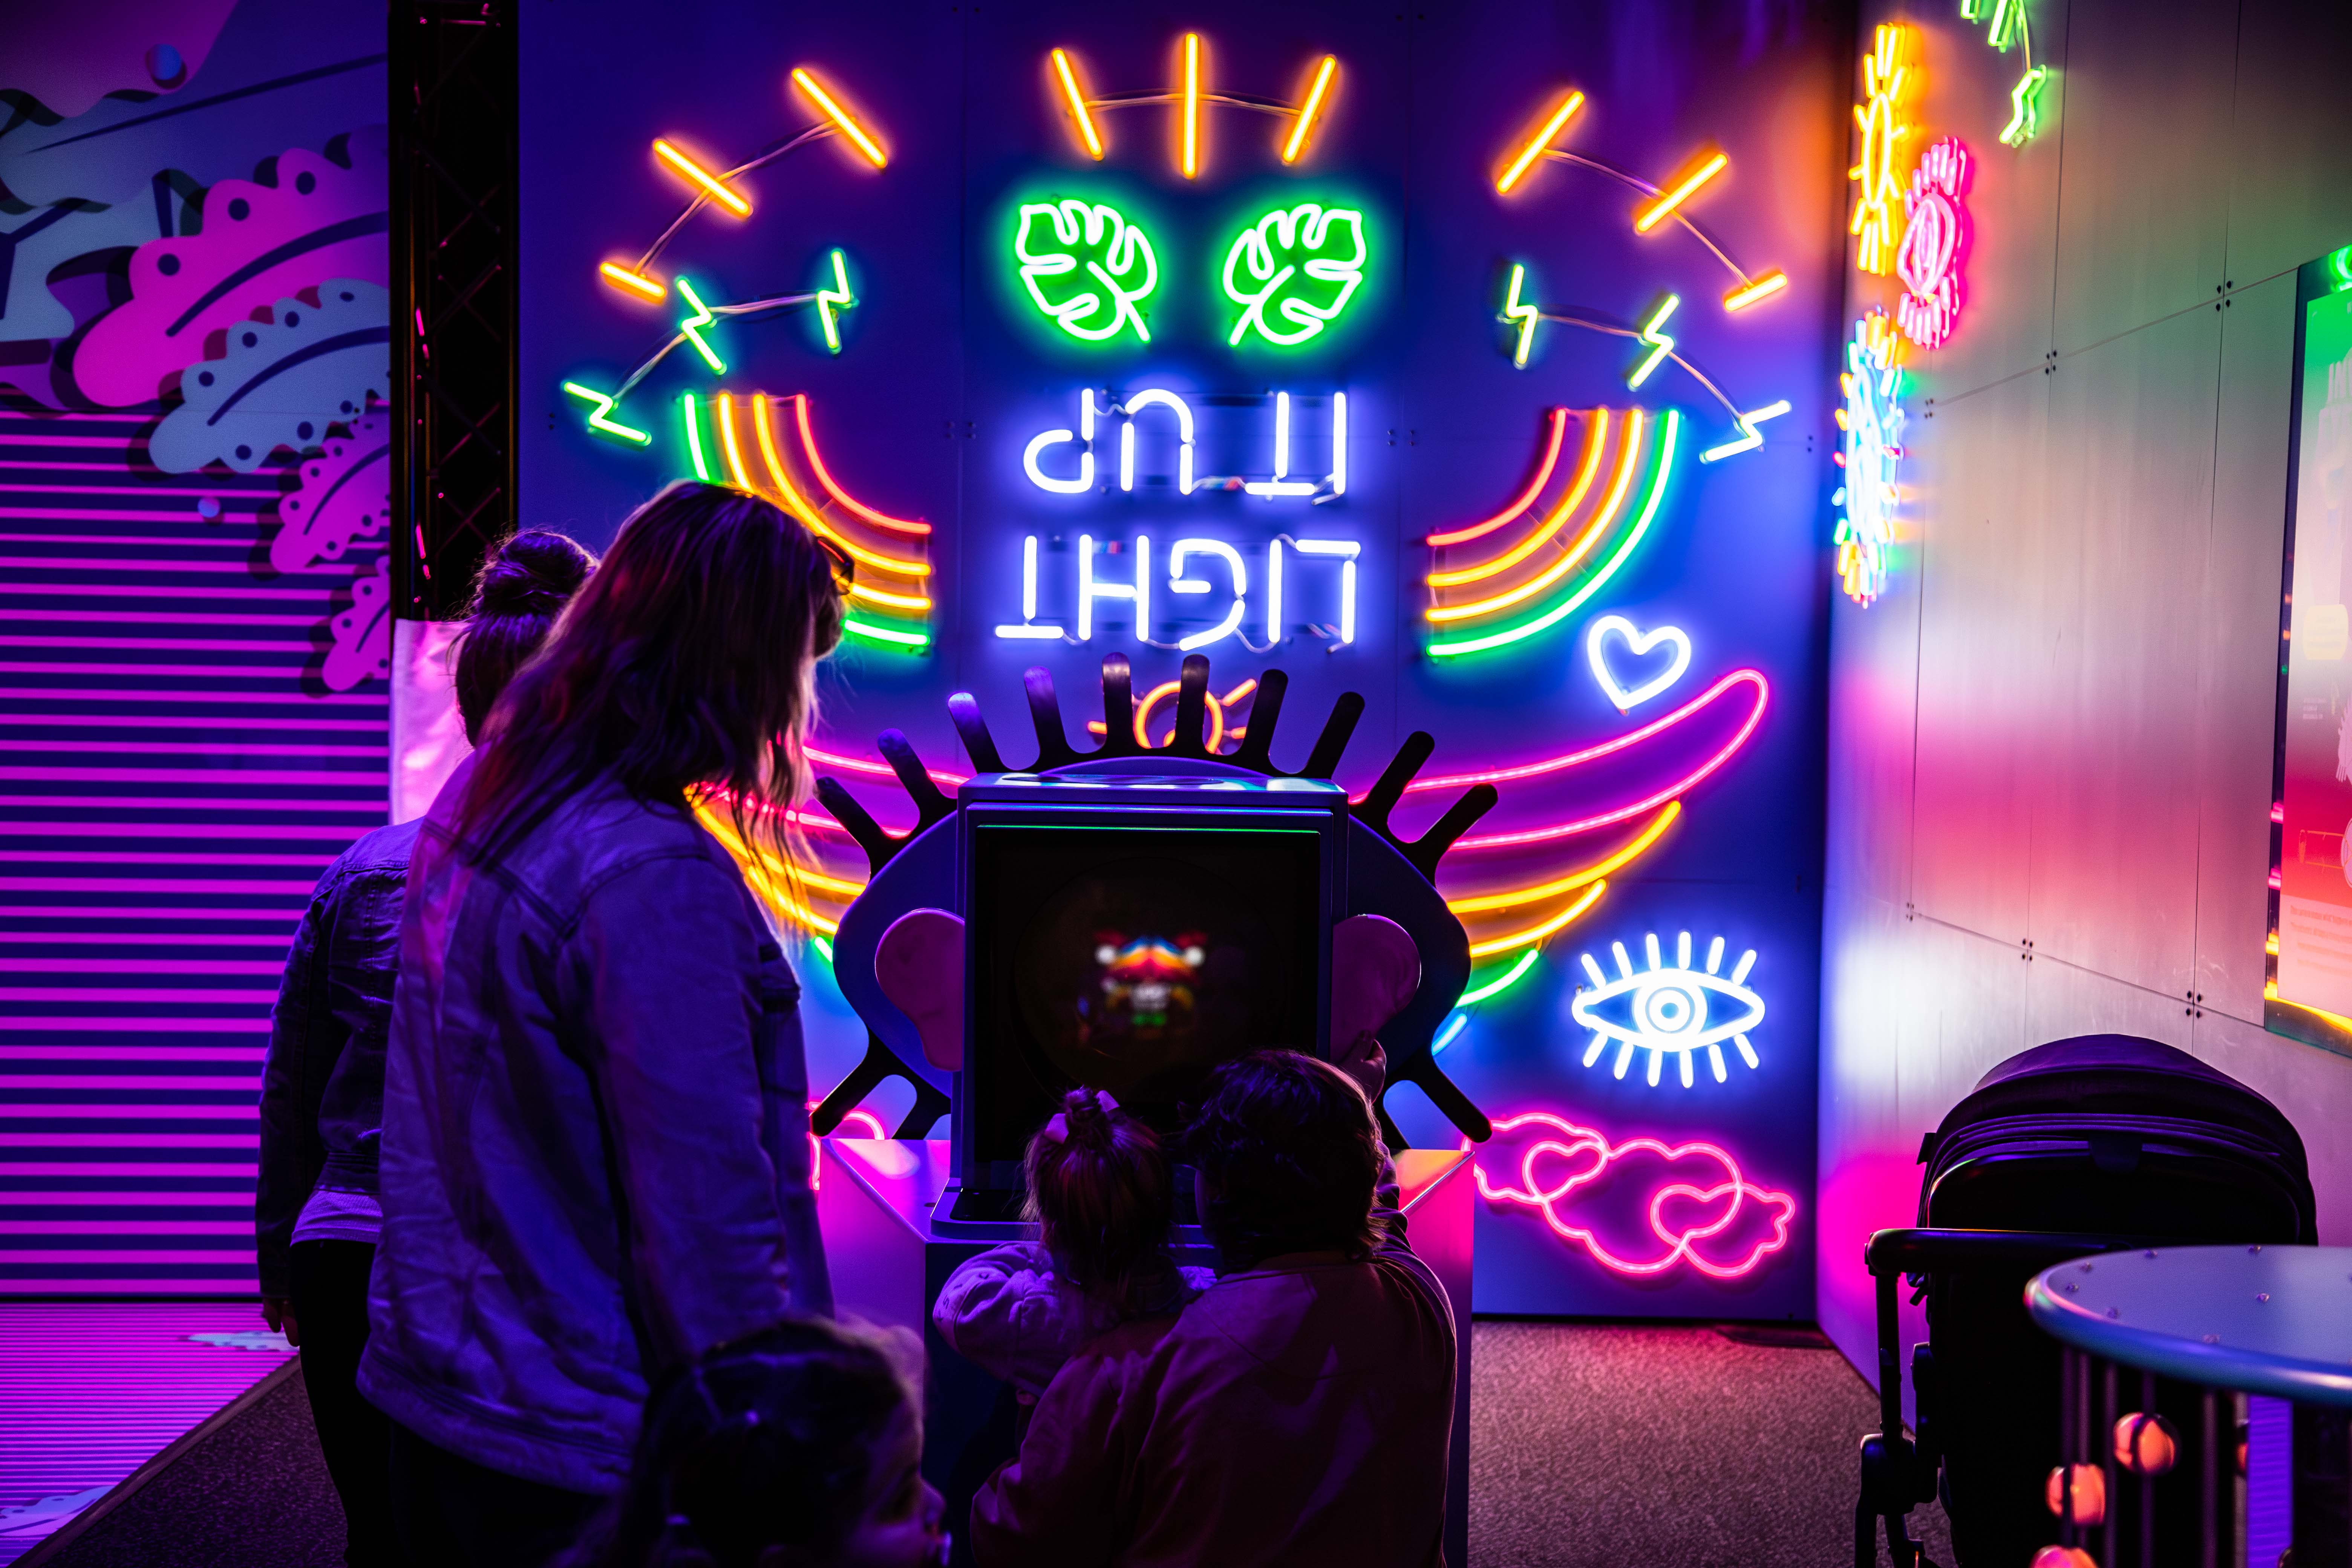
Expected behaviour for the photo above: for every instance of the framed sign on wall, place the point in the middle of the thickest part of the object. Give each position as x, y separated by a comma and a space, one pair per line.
2309, 993
1471, 362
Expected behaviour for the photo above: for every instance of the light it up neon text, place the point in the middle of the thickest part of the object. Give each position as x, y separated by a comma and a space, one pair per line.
1135, 586
1667, 1009
1712, 1244
1281, 485
1038, 443
1138, 594
1029, 629
1157, 398
1235, 568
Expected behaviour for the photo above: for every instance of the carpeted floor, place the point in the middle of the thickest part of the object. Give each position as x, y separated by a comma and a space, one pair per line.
1595, 1447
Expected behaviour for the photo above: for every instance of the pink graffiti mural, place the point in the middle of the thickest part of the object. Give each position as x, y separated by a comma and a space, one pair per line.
1639, 1209
346, 498
362, 645
261, 244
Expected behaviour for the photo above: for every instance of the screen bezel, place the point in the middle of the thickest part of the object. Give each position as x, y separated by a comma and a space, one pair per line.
1327, 821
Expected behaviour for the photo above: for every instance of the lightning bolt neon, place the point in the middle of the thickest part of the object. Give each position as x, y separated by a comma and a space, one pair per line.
1524, 314
830, 301
2025, 108
1750, 437
1661, 345
692, 327
596, 417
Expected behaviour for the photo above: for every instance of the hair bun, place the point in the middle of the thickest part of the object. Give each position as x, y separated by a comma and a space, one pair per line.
532, 573
1088, 1124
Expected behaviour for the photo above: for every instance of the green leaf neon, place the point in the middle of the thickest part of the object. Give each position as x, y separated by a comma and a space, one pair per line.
831, 302
692, 326
597, 416
2340, 263
1502, 983
1087, 266
2025, 108
1600, 575
1305, 262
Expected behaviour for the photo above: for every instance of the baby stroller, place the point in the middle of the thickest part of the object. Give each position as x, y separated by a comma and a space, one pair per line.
2096, 1143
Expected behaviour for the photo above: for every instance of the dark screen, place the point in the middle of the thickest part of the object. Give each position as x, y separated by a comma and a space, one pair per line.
1132, 960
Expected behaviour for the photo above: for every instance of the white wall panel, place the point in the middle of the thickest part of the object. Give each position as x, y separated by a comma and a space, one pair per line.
2061, 1001
2312, 1086
2113, 858
1980, 489
2239, 628
2290, 178
2144, 199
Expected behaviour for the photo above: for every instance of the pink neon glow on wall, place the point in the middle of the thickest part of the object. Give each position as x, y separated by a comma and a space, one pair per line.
816, 1144
1639, 1208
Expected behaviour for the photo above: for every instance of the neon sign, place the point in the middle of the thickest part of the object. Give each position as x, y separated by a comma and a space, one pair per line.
1081, 478
1135, 587
1116, 257
1667, 1011
1934, 245
831, 302
1871, 454
1689, 1202
1656, 212
1318, 245
692, 327
1661, 345
1189, 97
1888, 81
1637, 642
2008, 26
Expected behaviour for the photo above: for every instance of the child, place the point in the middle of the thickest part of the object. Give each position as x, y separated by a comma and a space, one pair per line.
798, 1447
1100, 1192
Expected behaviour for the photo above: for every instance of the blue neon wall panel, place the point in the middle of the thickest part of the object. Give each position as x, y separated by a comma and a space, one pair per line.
1641, 1199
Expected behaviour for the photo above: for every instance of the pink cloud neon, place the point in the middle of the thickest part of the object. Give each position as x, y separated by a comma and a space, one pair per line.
1589, 1155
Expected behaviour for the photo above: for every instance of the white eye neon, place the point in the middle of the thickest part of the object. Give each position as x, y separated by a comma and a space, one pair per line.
1670, 1010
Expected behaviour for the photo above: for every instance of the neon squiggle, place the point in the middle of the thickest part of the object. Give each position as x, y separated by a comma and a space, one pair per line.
1589, 1156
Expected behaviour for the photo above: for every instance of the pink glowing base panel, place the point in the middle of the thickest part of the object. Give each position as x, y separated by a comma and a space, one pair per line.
1639, 1209
88, 1393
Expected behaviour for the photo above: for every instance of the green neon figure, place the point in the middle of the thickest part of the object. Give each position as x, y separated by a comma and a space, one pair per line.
2340, 263
1087, 266
2025, 108
2008, 24
831, 302
1522, 315
599, 416
1303, 264
692, 326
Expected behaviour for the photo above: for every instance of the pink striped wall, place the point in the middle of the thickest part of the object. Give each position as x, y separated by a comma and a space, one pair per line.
173, 778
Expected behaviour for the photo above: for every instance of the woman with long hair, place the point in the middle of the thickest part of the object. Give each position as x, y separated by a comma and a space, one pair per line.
595, 1148
315, 1209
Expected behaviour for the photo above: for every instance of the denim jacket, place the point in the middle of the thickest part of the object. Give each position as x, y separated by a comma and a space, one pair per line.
322, 1083
595, 1153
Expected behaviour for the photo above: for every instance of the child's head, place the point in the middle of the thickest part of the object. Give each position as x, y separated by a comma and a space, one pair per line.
794, 1447
1099, 1187
1288, 1155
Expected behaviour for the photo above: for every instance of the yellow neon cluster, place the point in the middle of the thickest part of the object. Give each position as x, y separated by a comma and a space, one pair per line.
1889, 80
1190, 97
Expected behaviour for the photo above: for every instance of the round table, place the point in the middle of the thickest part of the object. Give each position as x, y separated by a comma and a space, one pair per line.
2262, 1320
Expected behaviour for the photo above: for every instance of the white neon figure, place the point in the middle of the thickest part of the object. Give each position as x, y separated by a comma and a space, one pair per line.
1139, 593
1028, 628
1638, 642
1179, 584
1044, 438
1668, 1013
1157, 398
1347, 550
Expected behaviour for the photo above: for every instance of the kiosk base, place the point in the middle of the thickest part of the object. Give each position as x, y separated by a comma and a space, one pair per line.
874, 1201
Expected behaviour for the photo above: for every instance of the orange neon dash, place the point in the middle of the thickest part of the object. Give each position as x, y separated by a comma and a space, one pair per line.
636, 283
702, 179
1308, 112
1536, 145
831, 110
1068, 78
